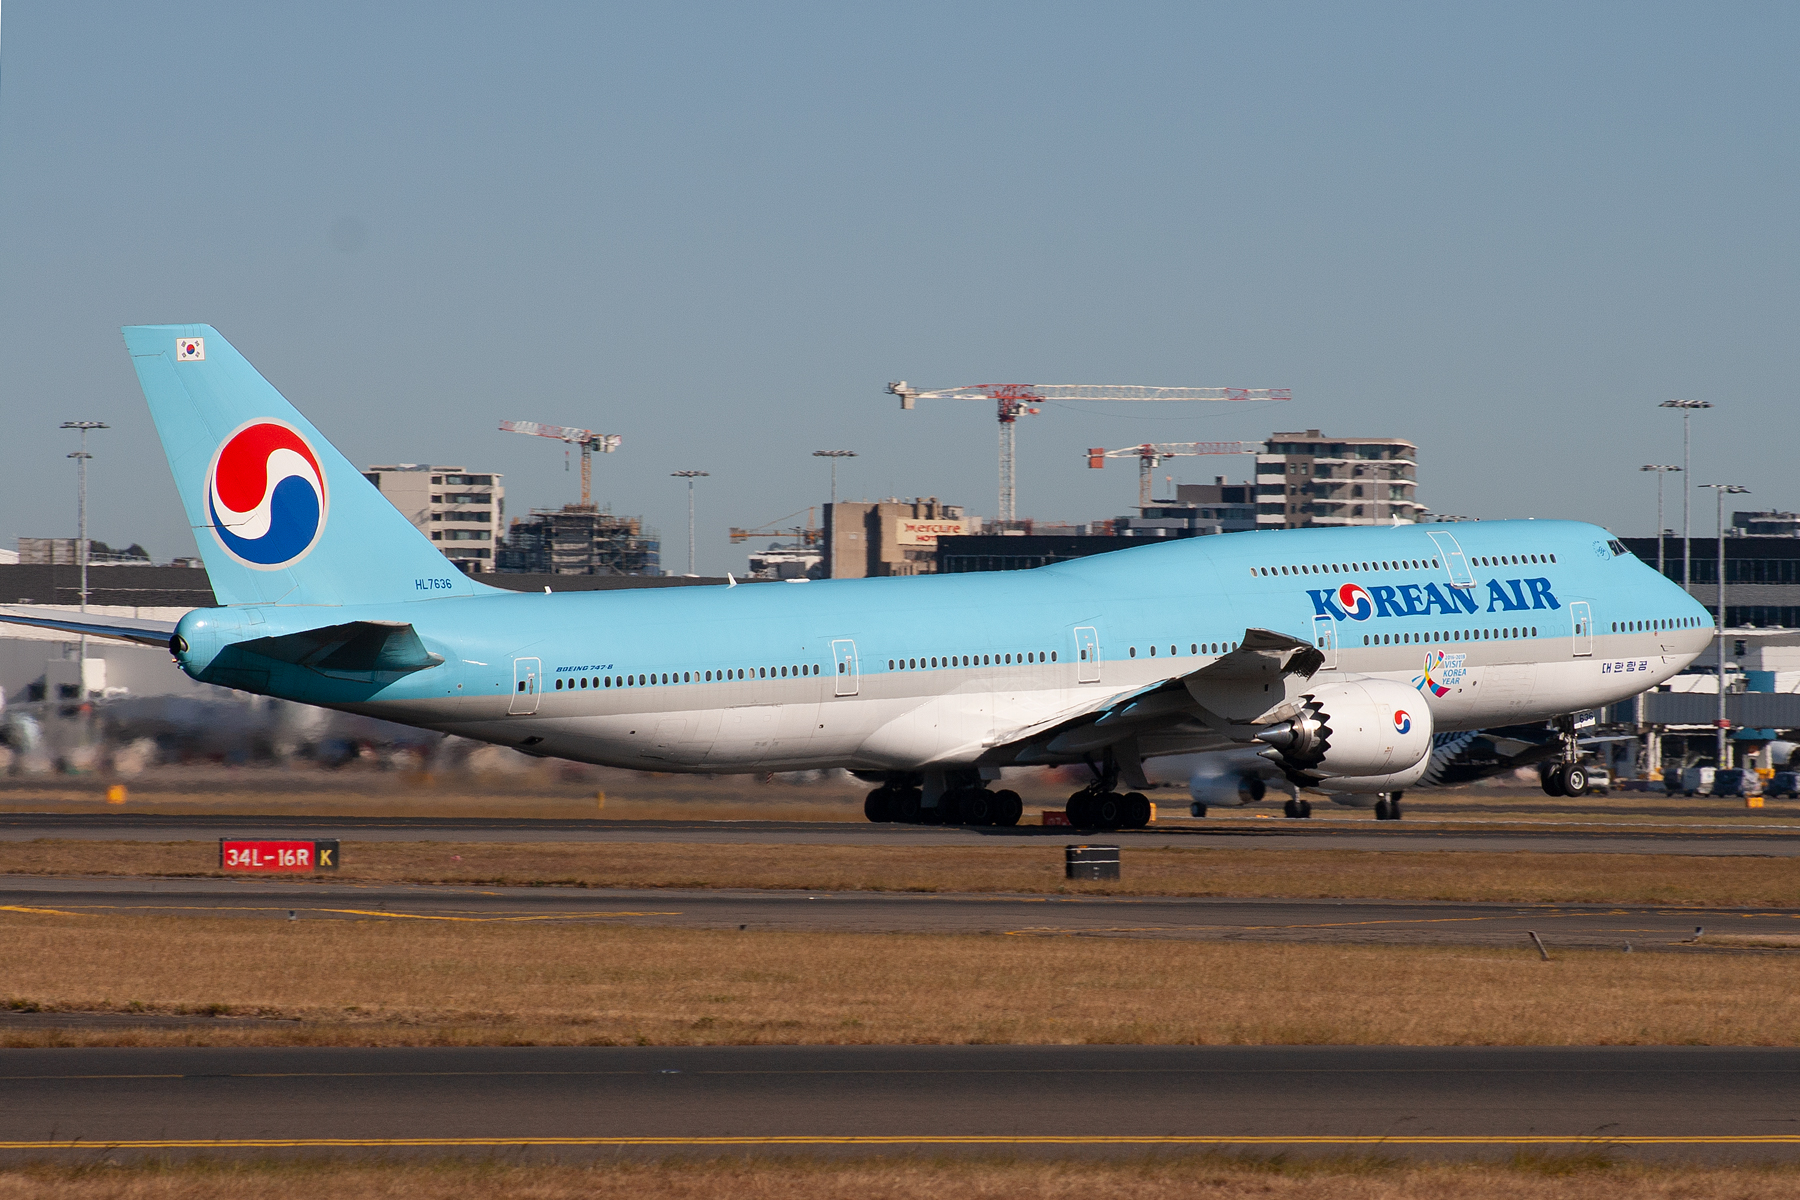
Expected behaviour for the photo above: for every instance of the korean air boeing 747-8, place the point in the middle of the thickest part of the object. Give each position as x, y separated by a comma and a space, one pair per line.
1333, 654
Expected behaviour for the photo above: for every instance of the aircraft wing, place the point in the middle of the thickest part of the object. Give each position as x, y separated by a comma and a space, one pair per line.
1217, 706
129, 629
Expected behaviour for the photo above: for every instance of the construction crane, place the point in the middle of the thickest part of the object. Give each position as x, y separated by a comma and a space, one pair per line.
1150, 455
805, 536
1013, 400
587, 439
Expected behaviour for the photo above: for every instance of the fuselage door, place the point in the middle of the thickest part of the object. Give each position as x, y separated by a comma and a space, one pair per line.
1087, 655
1325, 638
843, 653
526, 673
1454, 560
1581, 618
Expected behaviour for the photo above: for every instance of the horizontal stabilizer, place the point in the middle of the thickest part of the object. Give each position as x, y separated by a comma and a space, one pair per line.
130, 629
360, 650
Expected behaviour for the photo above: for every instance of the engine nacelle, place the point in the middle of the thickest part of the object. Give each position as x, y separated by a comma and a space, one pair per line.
1230, 790
1360, 728
1395, 781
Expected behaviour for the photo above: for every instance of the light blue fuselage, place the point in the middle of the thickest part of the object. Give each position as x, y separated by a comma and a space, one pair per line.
934, 671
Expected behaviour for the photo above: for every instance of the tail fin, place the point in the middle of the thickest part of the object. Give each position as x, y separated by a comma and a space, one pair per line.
280, 515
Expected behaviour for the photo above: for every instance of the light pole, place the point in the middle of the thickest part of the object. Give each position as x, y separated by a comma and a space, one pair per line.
1722, 490
690, 476
834, 455
1660, 472
1688, 408
81, 457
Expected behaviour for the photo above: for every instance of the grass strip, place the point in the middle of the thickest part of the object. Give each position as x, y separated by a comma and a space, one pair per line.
1035, 866
1588, 1176
427, 983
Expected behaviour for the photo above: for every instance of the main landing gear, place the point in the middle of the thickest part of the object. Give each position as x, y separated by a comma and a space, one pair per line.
1387, 806
1100, 806
902, 802
1092, 808
1297, 807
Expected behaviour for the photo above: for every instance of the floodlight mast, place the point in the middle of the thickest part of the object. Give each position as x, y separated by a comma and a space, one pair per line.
587, 439
1014, 400
1720, 491
1687, 408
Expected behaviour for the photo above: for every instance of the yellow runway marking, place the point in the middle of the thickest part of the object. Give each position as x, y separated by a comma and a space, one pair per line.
55, 912
355, 912
1773, 1139
363, 912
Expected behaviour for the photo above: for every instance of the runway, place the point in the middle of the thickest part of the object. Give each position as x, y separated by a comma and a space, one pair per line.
1673, 1102
1384, 922
1777, 837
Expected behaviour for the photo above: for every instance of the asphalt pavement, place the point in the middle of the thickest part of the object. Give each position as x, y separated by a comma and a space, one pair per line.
1345, 829
1677, 1102
1391, 922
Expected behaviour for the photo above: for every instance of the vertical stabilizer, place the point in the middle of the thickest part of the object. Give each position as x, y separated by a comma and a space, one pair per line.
280, 516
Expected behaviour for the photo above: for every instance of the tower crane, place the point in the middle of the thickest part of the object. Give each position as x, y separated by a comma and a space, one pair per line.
1150, 455
587, 439
805, 536
1013, 400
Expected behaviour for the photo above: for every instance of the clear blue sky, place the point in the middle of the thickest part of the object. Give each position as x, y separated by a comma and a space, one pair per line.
1503, 231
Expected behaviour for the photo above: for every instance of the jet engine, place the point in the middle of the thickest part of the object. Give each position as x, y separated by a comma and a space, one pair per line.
1359, 728
1226, 791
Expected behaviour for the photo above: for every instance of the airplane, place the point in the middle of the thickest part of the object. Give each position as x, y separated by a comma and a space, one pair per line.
1331, 655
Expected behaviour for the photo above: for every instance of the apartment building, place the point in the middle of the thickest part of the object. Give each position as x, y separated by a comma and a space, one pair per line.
462, 512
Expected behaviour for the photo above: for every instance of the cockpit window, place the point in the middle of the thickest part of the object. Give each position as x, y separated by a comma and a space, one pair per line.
1617, 546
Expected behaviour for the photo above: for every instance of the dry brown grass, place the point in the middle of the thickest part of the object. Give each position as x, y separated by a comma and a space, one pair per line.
1033, 866
419, 983
1208, 1177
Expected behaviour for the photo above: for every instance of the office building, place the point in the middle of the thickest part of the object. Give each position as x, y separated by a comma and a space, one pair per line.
870, 538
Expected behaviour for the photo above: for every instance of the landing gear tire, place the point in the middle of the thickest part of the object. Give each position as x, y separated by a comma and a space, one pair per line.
1297, 809
1196, 809
1079, 810
1388, 808
879, 807
1008, 807
1137, 810
906, 806
1574, 779
974, 806
1550, 778
1109, 811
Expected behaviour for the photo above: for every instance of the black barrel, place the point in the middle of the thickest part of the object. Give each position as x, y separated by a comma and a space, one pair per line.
1090, 862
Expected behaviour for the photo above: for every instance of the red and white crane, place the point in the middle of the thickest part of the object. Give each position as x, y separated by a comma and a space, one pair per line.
587, 439
1150, 455
1013, 400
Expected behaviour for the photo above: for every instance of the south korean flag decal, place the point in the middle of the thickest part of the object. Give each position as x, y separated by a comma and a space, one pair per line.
190, 349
